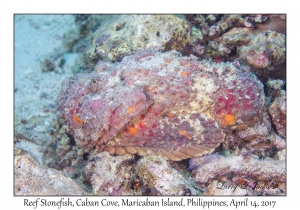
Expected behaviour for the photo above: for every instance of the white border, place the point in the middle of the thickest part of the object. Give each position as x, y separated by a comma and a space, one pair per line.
155, 6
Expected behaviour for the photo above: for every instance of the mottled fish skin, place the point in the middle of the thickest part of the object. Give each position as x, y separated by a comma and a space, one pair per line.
160, 103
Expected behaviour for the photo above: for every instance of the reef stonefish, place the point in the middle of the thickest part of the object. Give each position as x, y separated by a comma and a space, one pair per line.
160, 103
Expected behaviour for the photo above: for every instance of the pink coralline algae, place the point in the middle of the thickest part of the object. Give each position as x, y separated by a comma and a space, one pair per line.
160, 103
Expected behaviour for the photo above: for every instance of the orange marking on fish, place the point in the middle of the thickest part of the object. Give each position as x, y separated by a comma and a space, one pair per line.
184, 133
170, 115
131, 109
133, 130
77, 120
228, 119
183, 74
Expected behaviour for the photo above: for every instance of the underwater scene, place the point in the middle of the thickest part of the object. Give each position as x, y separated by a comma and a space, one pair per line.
150, 105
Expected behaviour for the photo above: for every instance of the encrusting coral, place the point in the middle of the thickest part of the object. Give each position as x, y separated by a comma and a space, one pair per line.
160, 103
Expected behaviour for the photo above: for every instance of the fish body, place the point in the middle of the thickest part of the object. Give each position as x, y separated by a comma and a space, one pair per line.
160, 103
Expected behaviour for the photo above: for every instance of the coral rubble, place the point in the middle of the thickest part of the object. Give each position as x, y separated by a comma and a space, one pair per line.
238, 169
273, 22
259, 139
277, 111
274, 88
108, 175
159, 178
127, 34
160, 103
260, 49
31, 178
277, 108
212, 26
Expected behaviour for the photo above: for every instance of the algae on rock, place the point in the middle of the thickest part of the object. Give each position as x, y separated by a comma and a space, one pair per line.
127, 34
